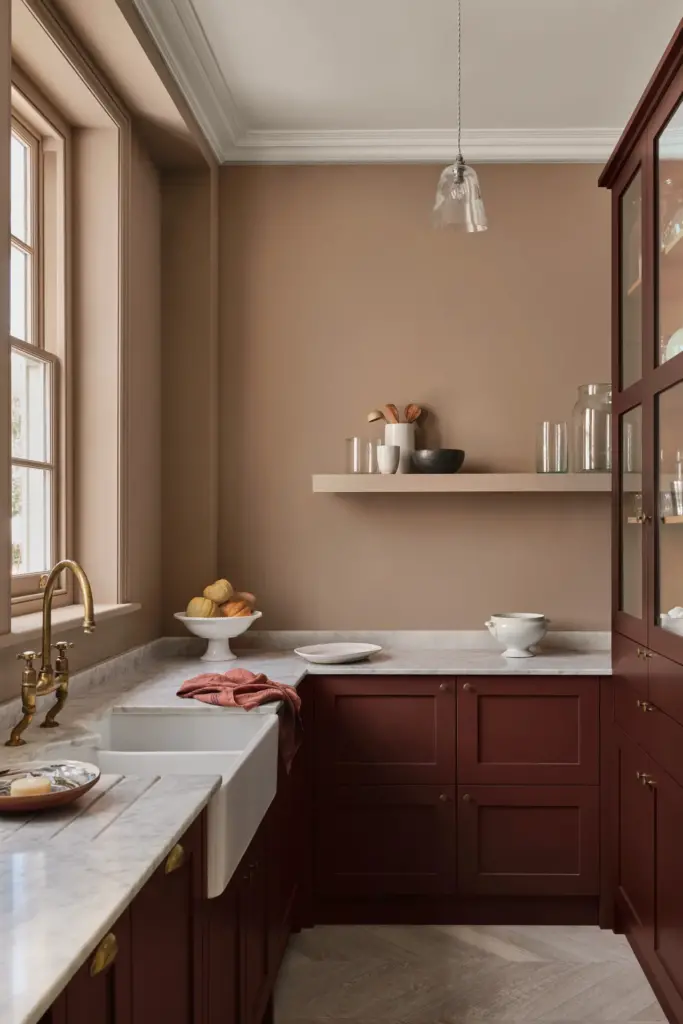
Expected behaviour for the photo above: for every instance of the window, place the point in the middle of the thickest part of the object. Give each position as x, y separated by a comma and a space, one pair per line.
38, 332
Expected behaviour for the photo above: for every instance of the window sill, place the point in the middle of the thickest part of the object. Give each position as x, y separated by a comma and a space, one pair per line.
29, 627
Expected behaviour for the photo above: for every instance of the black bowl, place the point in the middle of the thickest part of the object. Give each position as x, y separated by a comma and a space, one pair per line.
437, 460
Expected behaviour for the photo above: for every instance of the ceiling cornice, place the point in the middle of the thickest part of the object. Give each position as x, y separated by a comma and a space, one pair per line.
181, 40
179, 35
589, 145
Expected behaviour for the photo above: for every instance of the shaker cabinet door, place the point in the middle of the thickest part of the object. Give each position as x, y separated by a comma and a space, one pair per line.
528, 840
385, 731
100, 992
386, 841
165, 937
635, 838
668, 936
528, 731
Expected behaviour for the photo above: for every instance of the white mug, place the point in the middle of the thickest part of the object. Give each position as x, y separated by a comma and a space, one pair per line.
388, 456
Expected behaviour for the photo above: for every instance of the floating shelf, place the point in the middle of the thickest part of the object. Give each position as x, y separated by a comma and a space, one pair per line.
463, 483
672, 519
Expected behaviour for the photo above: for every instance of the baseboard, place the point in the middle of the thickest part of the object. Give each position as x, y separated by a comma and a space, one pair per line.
567, 910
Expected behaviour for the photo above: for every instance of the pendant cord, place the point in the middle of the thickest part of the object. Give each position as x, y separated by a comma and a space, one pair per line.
460, 158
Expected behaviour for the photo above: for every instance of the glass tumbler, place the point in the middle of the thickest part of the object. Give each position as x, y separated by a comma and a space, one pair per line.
551, 448
354, 451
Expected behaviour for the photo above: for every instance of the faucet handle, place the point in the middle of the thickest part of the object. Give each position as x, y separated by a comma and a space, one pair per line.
62, 645
28, 656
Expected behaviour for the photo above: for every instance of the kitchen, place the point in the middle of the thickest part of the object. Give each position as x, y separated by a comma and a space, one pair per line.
489, 835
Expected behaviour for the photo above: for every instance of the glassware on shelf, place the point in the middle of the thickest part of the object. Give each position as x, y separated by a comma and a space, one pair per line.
370, 463
592, 419
551, 448
354, 446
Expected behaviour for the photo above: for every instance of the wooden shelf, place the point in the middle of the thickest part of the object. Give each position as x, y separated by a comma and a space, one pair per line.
463, 483
672, 519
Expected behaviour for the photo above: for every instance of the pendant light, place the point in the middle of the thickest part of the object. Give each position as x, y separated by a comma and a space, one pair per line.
458, 196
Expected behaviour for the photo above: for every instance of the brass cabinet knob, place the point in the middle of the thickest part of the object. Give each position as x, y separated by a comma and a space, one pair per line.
175, 859
105, 955
644, 705
443, 797
444, 687
468, 687
467, 798
649, 654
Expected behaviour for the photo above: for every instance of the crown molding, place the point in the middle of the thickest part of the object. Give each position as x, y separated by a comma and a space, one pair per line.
181, 40
580, 145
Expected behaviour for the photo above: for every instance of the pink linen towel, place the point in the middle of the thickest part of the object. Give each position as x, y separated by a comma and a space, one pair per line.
240, 688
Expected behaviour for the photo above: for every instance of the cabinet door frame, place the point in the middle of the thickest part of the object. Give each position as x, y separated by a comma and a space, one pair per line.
632, 396
441, 882
440, 772
638, 921
586, 689
473, 883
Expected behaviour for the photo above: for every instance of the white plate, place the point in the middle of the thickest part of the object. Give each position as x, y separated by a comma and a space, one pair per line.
337, 654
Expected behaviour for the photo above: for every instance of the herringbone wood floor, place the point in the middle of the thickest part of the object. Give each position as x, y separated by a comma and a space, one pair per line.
463, 974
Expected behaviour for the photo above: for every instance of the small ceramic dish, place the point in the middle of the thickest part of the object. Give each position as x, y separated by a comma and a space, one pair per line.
336, 654
219, 631
69, 780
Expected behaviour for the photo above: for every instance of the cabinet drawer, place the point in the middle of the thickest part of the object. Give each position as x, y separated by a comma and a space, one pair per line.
386, 840
385, 731
528, 840
528, 731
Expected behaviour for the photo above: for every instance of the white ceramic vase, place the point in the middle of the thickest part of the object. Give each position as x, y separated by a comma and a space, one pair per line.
403, 435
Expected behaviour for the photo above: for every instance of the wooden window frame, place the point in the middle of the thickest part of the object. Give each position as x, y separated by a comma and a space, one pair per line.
37, 121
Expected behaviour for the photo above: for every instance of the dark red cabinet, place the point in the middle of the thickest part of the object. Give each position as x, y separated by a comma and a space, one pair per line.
254, 928
634, 837
528, 840
148, 967
384, 731
668, 933
222, 956
100, 992
166, 937
630, 686
528, 731
386, 841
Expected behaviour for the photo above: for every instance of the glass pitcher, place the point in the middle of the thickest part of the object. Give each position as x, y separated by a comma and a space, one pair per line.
592, 433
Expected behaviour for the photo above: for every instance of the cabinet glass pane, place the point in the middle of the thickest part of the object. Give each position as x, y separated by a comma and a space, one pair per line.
631, 326
670, 251
631, 598
669, 575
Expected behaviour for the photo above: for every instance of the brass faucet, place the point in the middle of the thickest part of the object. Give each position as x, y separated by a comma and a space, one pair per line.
37, 684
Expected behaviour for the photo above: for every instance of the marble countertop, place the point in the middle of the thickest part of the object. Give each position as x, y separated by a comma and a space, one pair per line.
66, 876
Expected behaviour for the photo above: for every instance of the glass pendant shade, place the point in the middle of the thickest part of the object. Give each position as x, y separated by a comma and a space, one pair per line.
458, 199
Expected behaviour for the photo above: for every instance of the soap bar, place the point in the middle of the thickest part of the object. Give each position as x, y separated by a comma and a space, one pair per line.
29, 787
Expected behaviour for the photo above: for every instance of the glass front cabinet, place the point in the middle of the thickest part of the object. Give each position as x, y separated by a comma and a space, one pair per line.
645, 175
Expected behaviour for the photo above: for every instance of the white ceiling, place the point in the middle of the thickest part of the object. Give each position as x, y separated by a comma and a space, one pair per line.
302, 80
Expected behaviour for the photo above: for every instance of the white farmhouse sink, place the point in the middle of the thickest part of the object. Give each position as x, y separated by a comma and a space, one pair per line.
242, 748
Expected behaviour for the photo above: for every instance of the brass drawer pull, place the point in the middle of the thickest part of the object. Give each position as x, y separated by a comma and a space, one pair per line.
646, 780
644, 705
105, 954
175, 859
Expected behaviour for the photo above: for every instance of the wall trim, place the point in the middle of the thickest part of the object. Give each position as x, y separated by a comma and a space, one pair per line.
178, 33
180, 37
580, 145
